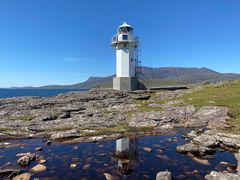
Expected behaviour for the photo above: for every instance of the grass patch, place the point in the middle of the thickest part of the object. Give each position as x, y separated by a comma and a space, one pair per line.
121, 128
4, 129
143, 106
22, 118
227, 94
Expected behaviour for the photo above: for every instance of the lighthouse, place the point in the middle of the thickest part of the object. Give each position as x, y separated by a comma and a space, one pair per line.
126, 45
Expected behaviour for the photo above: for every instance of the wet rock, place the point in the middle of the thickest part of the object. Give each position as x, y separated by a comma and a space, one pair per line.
75, 147
111, 177
26, 158
24, 176
42, 161
163, 175
38, 149
9, 145
48, 143
73, 165
38, 168
192, 134
221, 176
194, 149
86, 166
10, 172
207, 142
147, 149
201, 161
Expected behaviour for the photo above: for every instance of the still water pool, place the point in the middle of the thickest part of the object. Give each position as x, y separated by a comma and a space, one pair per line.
94, 159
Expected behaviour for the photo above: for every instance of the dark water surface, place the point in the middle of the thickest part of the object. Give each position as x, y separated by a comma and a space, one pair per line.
100, 158
8, 93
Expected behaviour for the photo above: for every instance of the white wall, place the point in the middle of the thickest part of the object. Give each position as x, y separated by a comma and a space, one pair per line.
125, 62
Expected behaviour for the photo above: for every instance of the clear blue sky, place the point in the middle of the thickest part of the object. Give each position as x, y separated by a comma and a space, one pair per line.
66, 41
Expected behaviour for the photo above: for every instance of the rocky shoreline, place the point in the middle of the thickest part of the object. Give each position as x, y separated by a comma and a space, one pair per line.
74, 115
103, 114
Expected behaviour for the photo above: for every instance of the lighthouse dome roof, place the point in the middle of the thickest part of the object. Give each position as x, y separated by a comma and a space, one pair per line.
125, 25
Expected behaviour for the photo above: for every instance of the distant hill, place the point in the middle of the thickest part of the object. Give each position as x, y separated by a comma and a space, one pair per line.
158, 77
90, 83
179, 75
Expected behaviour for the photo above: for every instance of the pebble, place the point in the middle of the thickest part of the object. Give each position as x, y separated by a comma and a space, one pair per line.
72, 166
86, 166
201, 161
75, 147
38, 149
147, 149
48, 143
224, 163
42, 161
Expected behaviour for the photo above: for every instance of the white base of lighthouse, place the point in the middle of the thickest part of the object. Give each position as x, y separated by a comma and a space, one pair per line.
125, 83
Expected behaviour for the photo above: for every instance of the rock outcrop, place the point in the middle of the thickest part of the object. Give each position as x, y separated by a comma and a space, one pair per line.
67, 115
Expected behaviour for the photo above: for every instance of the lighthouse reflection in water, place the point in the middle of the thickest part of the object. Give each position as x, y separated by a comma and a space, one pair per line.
126, 154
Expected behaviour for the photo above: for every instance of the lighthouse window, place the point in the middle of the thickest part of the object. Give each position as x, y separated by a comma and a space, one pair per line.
125, 37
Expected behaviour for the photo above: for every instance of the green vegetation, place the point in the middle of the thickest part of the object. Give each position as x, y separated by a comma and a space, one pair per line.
22, 118
226, 94
143, 106
4, 129
164, 82
121, 128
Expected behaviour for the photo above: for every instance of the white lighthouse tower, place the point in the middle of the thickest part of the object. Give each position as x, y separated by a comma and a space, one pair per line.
126, 45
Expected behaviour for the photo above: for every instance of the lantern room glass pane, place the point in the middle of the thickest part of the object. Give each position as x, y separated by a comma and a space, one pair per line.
125, 37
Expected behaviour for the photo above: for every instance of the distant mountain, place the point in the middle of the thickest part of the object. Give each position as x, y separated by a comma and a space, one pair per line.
158, 77
179, 75
91, 82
